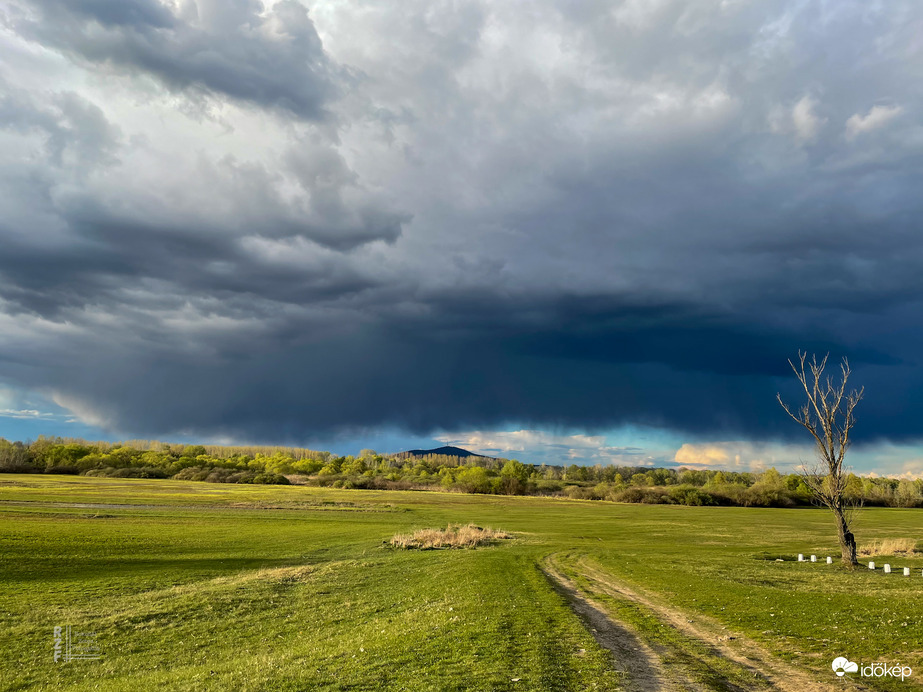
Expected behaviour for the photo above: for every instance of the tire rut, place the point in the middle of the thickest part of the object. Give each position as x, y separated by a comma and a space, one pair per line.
734, 647
640, 665
744, 651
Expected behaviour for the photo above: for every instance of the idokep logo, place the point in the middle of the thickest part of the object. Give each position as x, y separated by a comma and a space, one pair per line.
885, 670
842, 665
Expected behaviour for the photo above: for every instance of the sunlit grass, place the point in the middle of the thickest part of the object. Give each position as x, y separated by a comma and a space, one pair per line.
191, 586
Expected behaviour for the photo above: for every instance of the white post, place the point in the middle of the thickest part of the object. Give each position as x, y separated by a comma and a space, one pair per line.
829, 560
887, 568
800, 557
814, 558
871, 565
906, 571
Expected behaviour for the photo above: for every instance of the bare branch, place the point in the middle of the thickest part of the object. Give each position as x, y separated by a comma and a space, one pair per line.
829, 415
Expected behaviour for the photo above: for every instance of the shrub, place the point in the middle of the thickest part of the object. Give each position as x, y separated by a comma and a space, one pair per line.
361, 482
691, 496
473, 480
192, 473
129, 472
71, 470
270, 479
17, 467
222, 476
143, 472
579, 492
729, 494
762, 496
548, 486
647, 496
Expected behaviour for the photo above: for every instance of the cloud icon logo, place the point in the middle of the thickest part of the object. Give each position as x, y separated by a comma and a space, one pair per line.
843, 665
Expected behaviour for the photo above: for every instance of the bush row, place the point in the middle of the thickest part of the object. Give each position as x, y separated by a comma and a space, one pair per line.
470, 475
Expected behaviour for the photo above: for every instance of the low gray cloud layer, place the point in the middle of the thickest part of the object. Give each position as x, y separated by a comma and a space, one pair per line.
275, 222
241, 50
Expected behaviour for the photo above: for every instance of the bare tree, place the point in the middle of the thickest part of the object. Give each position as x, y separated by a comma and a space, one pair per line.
828, 415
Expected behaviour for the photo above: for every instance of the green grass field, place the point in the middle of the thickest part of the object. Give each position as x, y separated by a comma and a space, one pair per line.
195, 586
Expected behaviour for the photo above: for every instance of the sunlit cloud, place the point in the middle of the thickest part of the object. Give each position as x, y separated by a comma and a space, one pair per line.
26, 414
538, 446
877, 117
741, 455
807, 123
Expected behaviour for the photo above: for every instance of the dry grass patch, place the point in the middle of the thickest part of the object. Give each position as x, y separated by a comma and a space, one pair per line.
889, 546
454, 536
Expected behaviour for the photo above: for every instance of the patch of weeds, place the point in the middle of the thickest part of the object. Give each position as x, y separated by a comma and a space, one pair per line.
454, 536
889, 546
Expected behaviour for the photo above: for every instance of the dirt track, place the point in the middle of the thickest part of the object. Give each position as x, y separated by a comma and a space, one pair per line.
642, 664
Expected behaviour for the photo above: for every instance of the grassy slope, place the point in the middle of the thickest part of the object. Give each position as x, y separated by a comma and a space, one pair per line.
210, 590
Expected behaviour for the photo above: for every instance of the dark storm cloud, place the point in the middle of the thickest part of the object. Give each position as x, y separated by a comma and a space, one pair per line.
89, 245
292, 390
110, 254
563, 216
72, 125
236, 49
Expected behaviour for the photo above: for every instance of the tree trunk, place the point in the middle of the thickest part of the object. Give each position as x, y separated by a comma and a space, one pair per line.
847, 540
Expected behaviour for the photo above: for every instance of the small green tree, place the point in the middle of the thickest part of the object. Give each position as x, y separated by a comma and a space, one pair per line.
473, 479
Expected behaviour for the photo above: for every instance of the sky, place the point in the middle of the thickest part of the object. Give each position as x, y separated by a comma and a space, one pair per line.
563, 232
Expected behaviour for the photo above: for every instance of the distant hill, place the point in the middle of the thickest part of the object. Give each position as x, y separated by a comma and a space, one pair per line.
445, 451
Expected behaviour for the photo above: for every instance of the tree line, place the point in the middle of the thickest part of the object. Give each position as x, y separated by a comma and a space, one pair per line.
283, 465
